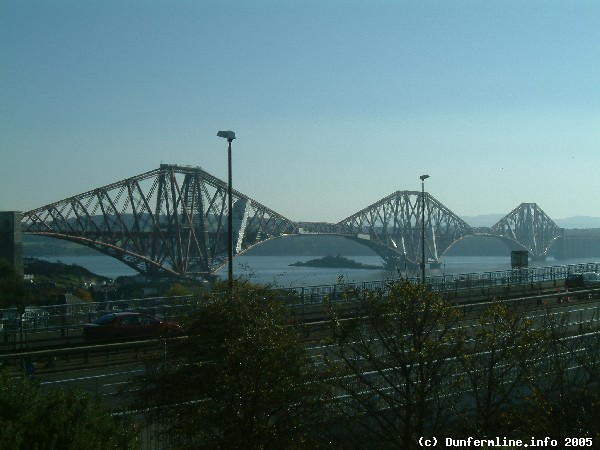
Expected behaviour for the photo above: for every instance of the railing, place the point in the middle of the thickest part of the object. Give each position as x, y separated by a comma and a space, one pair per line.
446, 283
47, 325
68, 319
54, 316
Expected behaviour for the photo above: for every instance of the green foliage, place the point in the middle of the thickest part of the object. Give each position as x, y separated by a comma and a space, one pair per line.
83, 294
565, 399
496, 366
574, 415
242, 379
411, 365
397, 346
177, 290
35, 420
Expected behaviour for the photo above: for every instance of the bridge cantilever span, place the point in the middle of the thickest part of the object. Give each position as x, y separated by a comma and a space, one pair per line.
170, 220
173, 220
395, 222
529, 227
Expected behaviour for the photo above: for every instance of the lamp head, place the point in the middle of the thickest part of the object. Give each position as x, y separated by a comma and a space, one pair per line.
229, 135
424, 177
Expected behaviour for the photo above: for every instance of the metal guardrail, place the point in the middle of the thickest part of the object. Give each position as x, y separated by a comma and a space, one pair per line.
66, 317
450, 283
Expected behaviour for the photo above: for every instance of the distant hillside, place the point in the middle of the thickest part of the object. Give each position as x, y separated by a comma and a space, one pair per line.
489, 220
578, 222
311, 245
308, 245
59, 274
34, 246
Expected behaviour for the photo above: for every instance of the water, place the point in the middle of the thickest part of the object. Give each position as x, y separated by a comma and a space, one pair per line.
276, 270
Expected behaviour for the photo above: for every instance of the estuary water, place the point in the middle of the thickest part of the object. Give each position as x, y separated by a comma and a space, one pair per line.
276, 270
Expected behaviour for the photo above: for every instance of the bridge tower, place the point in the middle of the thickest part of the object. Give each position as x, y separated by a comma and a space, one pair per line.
395, 222
530, 227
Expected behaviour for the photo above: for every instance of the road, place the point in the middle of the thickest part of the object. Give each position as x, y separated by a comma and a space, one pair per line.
59, 359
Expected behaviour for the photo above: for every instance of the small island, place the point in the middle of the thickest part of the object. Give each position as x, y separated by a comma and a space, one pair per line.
338, 262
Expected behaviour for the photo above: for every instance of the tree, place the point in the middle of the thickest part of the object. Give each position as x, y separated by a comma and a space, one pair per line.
496, 365
565, 398
83, 294
178, 290
31, 419
395, 358
240, 379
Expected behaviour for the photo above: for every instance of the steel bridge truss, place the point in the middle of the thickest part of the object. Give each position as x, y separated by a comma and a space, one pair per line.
396, 222
530, 227
173, 220
170, 220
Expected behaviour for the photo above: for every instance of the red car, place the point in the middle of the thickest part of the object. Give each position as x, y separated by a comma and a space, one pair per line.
128, 325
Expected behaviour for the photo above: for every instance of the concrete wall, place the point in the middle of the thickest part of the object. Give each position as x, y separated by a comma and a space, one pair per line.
11, 243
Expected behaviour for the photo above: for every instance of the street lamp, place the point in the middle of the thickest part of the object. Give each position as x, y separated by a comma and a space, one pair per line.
423, 178
230, 136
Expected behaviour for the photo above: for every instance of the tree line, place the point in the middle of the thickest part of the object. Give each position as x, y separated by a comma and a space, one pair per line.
392, 365
397, 365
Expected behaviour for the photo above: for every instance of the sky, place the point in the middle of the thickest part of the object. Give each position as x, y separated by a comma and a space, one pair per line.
335, 104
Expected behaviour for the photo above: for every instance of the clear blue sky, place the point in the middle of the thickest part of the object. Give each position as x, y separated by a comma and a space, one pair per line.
336, 104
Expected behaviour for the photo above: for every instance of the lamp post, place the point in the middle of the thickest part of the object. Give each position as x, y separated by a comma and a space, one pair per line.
230, 136
423, 178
